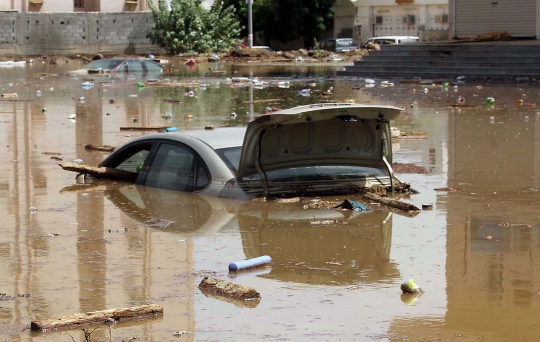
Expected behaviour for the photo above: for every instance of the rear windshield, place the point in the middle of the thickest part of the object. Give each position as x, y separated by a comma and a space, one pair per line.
231, 157
103, 64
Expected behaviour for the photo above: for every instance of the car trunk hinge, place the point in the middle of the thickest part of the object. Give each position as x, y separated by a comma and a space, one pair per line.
260, 170
388, 166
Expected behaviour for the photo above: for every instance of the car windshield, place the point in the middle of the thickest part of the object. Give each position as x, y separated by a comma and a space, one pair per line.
345, 43
231, 157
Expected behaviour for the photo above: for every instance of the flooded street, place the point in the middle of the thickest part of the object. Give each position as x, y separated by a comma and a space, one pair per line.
79, 248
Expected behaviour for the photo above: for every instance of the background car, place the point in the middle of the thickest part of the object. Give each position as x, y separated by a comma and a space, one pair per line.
338, 45
120, 65
267, 48
307, 150
240, 46
391, 40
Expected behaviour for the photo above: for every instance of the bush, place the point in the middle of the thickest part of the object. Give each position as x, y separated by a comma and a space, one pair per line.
188, 27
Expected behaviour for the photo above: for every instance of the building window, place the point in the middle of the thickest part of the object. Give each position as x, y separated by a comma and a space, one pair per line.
78, 3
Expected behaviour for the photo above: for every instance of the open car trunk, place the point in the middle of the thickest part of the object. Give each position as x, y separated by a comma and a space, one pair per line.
339, 137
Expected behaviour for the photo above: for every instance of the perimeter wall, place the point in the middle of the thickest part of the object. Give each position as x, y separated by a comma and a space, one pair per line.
75, 33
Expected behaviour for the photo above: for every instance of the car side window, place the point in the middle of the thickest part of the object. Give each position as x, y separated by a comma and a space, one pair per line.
203, 176
134, 162
172, 168
135, 67
132, 158
152, 67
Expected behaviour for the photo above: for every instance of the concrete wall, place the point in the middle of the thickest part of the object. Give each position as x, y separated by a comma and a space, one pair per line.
66, 6
75, 33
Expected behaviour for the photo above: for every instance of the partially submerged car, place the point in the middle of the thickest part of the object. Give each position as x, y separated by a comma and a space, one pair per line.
309, 150
120, 65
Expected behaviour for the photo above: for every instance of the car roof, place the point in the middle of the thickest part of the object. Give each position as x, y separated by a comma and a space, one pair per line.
126, 59
217, 138
220, 137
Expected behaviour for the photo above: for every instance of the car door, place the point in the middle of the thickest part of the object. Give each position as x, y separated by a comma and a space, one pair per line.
178, 167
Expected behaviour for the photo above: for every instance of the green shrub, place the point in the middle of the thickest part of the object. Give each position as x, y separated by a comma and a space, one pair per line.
188, 27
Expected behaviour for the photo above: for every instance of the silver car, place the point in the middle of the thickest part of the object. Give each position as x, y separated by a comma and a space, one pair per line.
308, 150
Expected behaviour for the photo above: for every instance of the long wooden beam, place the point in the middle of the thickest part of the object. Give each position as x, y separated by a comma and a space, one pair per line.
96, 317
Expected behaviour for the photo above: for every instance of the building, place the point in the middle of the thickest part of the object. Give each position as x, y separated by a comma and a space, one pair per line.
363, 19
519, 18
70, 6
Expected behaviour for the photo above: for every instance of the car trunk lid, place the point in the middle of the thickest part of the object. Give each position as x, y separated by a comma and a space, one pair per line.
319, 135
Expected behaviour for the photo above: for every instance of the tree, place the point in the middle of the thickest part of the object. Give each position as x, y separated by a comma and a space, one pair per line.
242, 14
222, 28
306, 19
187, 27
287, 20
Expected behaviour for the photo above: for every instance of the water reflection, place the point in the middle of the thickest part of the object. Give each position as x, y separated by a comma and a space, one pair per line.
357, 251
492, 222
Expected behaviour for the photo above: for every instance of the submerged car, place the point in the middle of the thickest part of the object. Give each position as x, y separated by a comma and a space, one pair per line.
308, 150
120, 65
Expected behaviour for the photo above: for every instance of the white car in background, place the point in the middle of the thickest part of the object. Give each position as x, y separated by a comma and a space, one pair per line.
391, 40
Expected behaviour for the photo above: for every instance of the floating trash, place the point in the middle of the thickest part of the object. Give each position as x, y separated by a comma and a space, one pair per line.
250, 263
410, 286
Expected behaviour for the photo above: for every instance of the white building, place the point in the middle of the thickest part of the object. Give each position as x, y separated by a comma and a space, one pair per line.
427, 19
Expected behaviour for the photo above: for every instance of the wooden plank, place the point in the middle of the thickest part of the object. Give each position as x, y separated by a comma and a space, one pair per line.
262, 101
101, 172
102, 148
97, 317
391, 202
144, 128
228, 289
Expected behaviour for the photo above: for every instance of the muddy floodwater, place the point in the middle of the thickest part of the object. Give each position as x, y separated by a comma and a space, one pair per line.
68, 248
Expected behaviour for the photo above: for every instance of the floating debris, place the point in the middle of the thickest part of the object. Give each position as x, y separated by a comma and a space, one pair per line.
411, 287
228, 289
326, 222
250, 263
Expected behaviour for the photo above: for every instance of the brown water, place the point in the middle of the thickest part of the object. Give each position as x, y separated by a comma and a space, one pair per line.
475, 255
